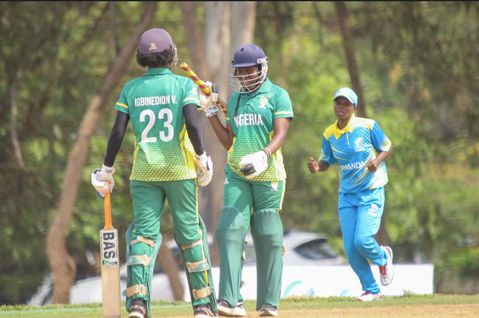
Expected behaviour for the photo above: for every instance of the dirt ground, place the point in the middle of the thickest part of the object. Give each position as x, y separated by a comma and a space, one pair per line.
411, 311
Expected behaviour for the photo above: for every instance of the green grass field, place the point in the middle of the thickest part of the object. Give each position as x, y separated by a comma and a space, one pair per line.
407, 306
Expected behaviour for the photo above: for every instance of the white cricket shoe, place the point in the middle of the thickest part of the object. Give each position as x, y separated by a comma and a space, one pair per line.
387, 271
225, 309
367, 296
268, 310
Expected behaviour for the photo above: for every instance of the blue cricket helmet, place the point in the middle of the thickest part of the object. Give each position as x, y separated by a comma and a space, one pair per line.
248, 55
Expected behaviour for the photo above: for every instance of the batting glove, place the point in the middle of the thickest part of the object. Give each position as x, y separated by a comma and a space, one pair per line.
102, 180
254, 164
208, 103
204, 169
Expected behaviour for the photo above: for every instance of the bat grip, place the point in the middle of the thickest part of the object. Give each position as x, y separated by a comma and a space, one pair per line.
107, 205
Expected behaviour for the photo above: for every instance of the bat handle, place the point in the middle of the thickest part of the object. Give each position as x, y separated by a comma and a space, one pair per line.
191, 74
107, 205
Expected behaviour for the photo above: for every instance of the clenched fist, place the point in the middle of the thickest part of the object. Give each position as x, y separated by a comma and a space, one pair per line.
313, 165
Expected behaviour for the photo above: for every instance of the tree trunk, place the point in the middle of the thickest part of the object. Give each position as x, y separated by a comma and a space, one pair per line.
61, 263
345, 25
243, 20
194, 31
12, 100
218, 39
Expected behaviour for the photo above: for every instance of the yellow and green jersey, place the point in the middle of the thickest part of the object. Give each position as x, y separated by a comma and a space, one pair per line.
154, 103
351, 148
251, 117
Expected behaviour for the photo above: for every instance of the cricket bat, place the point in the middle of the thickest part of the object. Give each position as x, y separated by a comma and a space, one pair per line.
110, 265
201, 84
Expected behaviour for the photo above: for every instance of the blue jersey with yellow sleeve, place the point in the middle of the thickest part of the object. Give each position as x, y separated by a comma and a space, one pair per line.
351, 148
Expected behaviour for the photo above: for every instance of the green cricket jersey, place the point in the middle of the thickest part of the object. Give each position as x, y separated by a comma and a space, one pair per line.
154, 103
251, 117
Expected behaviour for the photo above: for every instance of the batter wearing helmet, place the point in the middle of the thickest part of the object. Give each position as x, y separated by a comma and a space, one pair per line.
169, 163
257, 123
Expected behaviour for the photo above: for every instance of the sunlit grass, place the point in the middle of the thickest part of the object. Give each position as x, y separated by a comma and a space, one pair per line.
307, 307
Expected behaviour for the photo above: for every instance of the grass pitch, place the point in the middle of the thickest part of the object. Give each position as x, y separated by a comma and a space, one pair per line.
406, 306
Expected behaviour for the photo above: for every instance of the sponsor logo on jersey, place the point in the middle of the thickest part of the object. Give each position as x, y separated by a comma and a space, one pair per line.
353, 165
358, 144
263, 101
249, 120
155, 100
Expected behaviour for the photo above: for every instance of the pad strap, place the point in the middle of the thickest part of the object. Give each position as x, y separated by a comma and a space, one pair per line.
143, 240
136, 289
138, 260
201, 293
195, 267
187, 246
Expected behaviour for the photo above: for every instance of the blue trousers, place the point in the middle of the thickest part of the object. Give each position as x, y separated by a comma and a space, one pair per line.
360, 217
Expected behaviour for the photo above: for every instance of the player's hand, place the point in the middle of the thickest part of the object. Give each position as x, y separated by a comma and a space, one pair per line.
254, 164
372, 165
204, 169
313, 165
208, 103
102, 180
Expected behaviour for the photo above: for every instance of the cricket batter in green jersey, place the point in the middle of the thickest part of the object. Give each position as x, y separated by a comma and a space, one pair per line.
257, 123
169, 162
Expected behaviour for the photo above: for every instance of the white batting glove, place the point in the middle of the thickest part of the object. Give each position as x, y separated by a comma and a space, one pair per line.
102, 180
254, 164
204, 169
208, 103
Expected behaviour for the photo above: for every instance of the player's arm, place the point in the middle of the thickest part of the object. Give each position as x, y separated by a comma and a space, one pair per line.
256, 163
224, 134
325, 160
373, 164
203, 162
280, 131
116, 137
317, 165
102, 179
210, 106
381, 144
192, 126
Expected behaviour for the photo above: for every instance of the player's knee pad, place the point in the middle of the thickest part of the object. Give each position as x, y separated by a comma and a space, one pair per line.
267, 228
198, 269
141, 255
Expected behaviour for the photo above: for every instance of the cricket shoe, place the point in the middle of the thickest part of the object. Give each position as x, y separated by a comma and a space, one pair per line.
138, 309
268, 310
387, 271
367, 296
204, 311
225, 309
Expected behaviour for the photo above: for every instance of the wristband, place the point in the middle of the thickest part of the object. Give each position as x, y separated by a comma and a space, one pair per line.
267, 151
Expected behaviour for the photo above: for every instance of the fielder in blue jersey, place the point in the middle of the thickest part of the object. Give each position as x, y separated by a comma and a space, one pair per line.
358, 148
